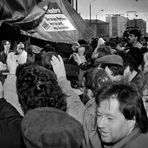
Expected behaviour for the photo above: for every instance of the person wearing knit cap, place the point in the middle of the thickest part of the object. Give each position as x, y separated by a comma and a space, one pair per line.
110, 59
113, 65
49, 127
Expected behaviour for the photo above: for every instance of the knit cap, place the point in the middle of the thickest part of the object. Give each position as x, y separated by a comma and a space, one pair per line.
51, 128
109, 59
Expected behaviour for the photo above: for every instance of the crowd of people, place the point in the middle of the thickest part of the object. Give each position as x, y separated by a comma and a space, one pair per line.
42, 108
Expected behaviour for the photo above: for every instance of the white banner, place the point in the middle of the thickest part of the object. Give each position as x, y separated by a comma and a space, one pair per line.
56, 22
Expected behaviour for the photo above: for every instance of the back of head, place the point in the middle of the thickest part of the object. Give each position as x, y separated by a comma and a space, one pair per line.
95, 78
48, 47
130, 102
110, 43
82, 42
101, 51
48, 127
46, 58
38, 87
133, 58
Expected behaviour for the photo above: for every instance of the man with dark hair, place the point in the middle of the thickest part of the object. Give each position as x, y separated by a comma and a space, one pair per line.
134, 38
92, 80
32, 86
21, 53
121, 116
38, 87
132, 71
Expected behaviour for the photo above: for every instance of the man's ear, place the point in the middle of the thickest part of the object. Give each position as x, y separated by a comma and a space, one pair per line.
131, 124
90, 93
136, 38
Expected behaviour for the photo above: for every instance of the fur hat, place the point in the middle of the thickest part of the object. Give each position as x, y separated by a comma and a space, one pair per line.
109, 59
49, 127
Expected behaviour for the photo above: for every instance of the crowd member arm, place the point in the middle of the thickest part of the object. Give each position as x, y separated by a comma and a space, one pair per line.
75, 107
10, 125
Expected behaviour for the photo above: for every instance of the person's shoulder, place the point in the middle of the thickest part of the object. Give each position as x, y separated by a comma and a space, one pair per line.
90, 105
90, 110
139, 45
140, 142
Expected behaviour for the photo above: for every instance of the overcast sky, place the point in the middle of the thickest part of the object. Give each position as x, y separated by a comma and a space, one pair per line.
113, 7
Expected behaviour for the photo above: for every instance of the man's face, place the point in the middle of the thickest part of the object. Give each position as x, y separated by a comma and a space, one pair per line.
132, 38
7, 46
20, 47
111, 123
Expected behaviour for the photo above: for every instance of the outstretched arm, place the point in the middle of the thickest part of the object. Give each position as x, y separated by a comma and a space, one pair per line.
9, 86
10, 124
74, 105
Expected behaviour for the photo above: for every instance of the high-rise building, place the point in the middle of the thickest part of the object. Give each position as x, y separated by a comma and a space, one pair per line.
139, 24
100, 28
117, 25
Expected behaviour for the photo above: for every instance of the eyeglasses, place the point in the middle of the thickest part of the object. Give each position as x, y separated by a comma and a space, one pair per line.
7, 44
21, 48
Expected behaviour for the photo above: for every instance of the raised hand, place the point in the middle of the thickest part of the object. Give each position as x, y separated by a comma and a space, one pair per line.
58, 66
77, 58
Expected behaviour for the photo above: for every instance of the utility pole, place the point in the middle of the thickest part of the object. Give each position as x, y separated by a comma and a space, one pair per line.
90, 11
76, 5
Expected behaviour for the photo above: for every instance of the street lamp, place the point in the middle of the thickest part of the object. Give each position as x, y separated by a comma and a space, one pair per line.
99, 12
90, 10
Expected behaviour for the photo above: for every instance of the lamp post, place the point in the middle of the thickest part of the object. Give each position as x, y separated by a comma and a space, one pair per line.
99, 12
90, 11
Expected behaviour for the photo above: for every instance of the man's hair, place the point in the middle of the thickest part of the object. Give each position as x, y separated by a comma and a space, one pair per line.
103, 51
136, 33
130, 102
38, 87
94, 79
111, 43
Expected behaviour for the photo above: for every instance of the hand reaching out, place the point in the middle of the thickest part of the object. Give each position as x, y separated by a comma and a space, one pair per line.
77, 58
58, 66
12, 63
